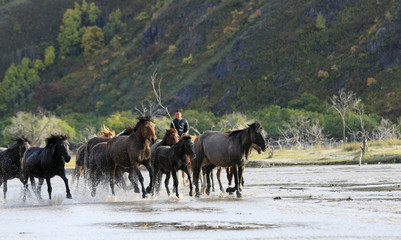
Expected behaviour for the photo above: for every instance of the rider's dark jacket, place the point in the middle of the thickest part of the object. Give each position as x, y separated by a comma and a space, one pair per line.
180, 125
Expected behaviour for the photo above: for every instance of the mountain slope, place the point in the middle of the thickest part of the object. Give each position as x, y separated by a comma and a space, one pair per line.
229, 55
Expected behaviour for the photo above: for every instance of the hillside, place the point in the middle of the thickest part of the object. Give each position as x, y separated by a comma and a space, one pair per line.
218, 56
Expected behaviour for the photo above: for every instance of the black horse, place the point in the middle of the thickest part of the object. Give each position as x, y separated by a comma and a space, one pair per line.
45, 163
170, 160
10, 161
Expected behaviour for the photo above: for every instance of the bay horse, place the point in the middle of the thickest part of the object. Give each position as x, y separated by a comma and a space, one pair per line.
45, 163
228, 150
170, 160
11, 162
132, 151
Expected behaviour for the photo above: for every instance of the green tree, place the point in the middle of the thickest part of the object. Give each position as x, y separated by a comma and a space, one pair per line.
17, 86
90, 13
92, 40
50, 55
114, 25
118, 121
321, 22
38, 65
71, 30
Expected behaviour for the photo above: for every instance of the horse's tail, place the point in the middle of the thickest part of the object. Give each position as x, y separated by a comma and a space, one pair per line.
197, 161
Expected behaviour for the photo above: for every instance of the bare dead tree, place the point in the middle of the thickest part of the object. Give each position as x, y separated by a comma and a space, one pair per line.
386, 130
147, 109
342, 104
158, 94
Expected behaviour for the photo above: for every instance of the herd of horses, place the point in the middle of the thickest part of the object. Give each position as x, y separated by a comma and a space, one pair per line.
107, 158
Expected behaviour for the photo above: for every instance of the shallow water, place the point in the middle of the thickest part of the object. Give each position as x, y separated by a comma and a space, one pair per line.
324, 202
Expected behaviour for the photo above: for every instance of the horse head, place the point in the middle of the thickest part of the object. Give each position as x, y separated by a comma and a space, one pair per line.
23, 144
171, 137
188, 145
146, 128
258, 135
59, 146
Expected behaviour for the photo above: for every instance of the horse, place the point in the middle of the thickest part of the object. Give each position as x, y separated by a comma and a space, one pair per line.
228, 150
98, 168
132, 151
79, 164
170, 138
11, 162
207, 170
45, 163
105, 136
170, 160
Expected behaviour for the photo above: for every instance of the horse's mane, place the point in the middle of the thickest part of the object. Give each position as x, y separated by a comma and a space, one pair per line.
55, 139
186, 137
105, 132
235, 132
170, 131
142, 120
21, 138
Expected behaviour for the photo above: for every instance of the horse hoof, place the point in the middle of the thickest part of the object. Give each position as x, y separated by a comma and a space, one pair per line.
93, 193
69, 196
197, 195
190, 194
207, 192
136, 190
148, 189
239, 194
144, 195
230, 190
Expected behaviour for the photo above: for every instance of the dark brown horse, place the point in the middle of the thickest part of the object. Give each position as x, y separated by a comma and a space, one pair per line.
228, 150
170, 160
170, 138
132, 151
105, 136
11, 162
98, 168
208, 170
45, 163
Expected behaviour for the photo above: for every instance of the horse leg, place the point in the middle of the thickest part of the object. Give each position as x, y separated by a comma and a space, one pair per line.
67, 188
132, 179
39, 188
140, 178
186, 170
49, 187
33, 187
150, 169
230, 175
159, 181
4, 188
166, 182
112, 172
241, 178
25, 183
78, 175
218, 176
174, 173
94, 179
209, 176
236, 179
